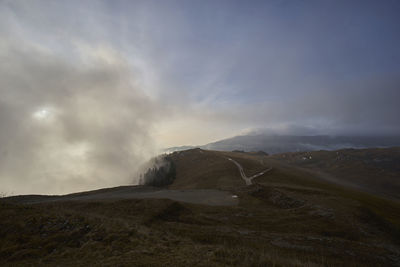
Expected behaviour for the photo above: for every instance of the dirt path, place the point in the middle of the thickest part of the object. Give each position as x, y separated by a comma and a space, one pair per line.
248, 180
197, 196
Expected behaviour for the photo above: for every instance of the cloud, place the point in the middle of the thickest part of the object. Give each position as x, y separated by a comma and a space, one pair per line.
70, 126
87, 89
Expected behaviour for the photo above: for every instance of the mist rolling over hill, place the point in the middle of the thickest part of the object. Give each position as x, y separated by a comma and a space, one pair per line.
280, 119
85, 99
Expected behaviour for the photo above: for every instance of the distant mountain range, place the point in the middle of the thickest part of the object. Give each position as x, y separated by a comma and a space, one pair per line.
274, 144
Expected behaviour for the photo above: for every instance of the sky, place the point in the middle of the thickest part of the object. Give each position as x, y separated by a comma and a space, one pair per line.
89, 90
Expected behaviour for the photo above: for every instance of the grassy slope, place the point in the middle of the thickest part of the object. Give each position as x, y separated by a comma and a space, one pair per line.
205, 169
289, 218
376, 170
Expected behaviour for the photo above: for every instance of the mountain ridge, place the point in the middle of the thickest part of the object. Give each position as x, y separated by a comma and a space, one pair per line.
274, 144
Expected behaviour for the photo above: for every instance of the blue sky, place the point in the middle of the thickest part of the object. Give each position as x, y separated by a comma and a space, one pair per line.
111, 82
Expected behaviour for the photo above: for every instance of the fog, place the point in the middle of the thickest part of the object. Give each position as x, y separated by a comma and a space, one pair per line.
70, 127
89, 90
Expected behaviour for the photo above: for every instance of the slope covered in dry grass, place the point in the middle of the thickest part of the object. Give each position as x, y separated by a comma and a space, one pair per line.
376, 170
289, 217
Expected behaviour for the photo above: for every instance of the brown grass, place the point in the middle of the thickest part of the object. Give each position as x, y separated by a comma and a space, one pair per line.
289, 218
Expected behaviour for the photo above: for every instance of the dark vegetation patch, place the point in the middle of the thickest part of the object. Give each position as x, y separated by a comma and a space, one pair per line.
304, 191
27, 232
276, 197
162, 173
379, 223
345, 233
171, 212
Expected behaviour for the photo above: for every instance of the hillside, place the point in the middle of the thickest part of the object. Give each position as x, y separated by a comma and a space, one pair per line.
288, 216
372, 170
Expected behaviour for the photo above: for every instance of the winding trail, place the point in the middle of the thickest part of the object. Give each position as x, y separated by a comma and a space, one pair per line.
248, 180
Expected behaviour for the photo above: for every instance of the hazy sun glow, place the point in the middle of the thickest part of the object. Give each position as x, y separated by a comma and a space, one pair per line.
94, 95
41, 114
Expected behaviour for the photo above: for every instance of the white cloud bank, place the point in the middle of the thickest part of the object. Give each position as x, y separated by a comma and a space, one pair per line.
68, 127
